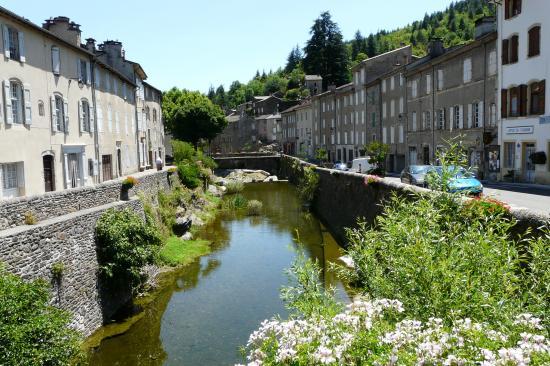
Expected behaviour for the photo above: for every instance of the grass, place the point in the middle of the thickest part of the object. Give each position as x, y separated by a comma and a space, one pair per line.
178, 252
254, 208
234, 187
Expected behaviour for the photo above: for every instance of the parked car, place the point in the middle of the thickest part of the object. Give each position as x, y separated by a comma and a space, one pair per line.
340, 166
361, 165
415, 174
463, 181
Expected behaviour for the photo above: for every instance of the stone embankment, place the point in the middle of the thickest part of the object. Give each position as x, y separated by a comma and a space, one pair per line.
65, 233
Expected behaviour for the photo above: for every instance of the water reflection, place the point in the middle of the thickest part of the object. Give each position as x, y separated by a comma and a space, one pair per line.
206, 310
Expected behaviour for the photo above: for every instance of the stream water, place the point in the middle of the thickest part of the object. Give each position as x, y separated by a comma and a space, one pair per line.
205, 311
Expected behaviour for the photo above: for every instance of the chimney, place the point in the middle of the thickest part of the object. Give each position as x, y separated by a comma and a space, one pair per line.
90, 44
64, 29
331, 87
484, 26
435, 47
113, 52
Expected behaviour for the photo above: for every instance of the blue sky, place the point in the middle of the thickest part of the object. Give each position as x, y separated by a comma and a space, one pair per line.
193, 44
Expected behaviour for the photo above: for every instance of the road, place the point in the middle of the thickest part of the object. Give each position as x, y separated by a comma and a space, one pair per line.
532, 197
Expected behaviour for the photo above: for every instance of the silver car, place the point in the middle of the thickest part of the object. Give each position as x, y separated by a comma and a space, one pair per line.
415, 174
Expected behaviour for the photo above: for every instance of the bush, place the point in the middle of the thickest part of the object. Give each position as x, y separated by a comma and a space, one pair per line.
254, 208
189, 174
234, 187
57, 270
308, 183
125, 244
30, 218
31, 331
183, 151
129, 182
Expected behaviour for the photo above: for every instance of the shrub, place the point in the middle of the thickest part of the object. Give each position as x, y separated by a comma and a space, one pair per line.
234, 187
536, 277
254, 208
189, 174
172, 170
308, 183
31, 331
125, 244
129, 182
57, 270
438, 260
30, 218
182, 151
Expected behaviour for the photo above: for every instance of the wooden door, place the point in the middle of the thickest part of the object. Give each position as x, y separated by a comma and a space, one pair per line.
49, 183
107, 167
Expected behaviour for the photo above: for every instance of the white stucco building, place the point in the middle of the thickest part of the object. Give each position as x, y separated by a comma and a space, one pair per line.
524, 66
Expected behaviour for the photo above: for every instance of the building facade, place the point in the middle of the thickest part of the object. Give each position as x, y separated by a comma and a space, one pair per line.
67, 117
523, 69
451, 94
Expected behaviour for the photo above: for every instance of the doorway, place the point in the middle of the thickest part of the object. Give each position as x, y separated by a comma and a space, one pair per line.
528, 165
49, 182
106, 167
426, 155
73, 162
119, 162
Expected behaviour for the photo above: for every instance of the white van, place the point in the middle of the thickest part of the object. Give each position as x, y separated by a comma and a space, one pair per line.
361, 165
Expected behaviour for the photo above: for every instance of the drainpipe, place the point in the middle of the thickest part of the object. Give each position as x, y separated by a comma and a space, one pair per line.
433, 113
96, 131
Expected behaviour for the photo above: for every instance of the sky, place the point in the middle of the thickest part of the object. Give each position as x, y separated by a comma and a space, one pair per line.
195, 44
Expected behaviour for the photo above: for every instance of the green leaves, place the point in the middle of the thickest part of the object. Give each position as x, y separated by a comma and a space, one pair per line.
31, 331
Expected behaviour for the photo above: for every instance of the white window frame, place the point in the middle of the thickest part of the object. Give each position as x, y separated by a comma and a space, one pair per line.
467, 70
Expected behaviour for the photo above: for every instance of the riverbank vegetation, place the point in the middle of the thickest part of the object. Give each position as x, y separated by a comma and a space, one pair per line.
32, 331
442, 281
179, 252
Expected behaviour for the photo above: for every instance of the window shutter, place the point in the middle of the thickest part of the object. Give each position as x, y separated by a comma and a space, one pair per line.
469, 116
542, 97
55, 60
81, 116
451, 118
21, 36
514, 53
28, 104
506, 9
6, 35
99, 118
78, 70
505, 51
481, 114
66, 114
97, 77
54, 113
461, 116
523, 100
504, 103
92, 119
7, 102
88, 73
518, 7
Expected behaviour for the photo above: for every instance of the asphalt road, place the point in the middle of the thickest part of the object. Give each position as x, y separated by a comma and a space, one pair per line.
532, 197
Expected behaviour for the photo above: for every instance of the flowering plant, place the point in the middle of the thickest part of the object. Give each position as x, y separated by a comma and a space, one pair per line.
129, 182
487, 206
370, 332
370, 178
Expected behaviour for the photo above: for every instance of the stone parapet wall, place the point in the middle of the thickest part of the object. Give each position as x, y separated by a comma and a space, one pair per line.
270, 164
31, 251
49, 205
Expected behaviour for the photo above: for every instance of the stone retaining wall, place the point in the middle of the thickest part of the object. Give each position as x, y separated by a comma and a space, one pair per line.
49, 205
30, 252
270, 164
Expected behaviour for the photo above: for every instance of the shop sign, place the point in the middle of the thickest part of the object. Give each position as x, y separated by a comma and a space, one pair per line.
521, 130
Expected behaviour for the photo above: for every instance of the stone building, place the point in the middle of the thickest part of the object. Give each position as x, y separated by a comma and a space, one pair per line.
524, 133
67, 117
452, 92
313, 83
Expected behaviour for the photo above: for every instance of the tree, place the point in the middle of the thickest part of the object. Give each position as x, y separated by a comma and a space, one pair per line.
294, 59
220, 97
191, 116
371, 46
358, 45
377, 153
326, 53
211, 93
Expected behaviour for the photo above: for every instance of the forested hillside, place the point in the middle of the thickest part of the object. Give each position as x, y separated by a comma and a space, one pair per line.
327, 54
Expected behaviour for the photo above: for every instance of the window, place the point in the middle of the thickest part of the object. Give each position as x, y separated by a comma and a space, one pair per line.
401, 134
55, 60
154, 115
414, 88
510, 50
493, 117
84, 71
456, 116
428, 84
511, 8
534, 41
373, 119
514, 102
59, 113
383, 86
392, 83
14, 44
413, 121
84, 109
9, 176
538, 96
384, 135
392, 108
509, 154
467, 70
392, 135
476, 115
16, 98
401, 105
427, 120
41, 108
439, 79
441, 119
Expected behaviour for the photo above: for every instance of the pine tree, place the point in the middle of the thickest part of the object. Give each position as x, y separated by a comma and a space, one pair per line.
371, 46
220, 98
211, 93
358, 45
257, 76
293, 60
326, 53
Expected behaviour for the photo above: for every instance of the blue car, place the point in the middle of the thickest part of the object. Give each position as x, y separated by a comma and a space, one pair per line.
463, 181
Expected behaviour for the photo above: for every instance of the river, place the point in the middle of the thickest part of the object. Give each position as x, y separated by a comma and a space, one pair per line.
205, 311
